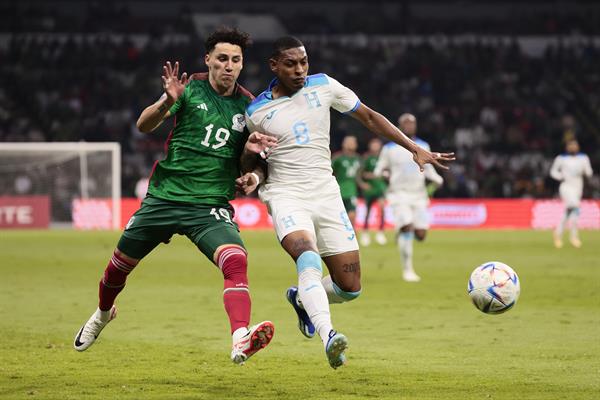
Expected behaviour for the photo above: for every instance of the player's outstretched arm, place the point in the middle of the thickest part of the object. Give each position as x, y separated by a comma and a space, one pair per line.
555, 170
380, 125
432, 175
382, 168
587, 168
434, 179
155, 114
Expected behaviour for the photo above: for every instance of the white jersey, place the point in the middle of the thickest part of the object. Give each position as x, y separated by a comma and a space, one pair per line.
301, 162
570, 169
406, 180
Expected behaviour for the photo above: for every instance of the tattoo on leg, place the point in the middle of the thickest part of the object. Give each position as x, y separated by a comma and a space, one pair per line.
351, 267
301, 245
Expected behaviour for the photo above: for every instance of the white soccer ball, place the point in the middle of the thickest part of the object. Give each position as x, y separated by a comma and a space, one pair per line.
494, 287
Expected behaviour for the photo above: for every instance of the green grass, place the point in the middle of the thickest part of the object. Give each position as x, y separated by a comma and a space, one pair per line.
407, 341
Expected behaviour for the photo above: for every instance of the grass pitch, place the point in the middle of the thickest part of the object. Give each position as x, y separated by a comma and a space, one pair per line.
407, 341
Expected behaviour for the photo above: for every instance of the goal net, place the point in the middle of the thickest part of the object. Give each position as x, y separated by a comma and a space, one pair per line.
66, 176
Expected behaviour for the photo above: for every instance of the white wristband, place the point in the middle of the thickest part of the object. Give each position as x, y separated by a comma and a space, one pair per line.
255, 177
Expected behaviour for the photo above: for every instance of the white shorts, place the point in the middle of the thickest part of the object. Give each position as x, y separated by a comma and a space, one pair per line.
410, 210
323, 215
570, 196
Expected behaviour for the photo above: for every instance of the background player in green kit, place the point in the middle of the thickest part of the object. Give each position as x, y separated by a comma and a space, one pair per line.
190, 189
373, 191
345, 166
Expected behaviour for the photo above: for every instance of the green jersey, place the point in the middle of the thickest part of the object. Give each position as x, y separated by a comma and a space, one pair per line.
378, 185
204, 147
345, 169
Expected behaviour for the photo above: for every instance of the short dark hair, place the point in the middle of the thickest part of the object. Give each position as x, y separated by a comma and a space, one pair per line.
227, 35
284, 43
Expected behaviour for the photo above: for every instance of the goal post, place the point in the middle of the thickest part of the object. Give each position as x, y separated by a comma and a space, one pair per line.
64, 172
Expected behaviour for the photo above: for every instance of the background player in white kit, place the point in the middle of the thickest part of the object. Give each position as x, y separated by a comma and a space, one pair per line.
301, 193
570, 169
408, 193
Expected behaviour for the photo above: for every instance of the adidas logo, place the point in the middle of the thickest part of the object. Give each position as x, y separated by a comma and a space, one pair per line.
202, 107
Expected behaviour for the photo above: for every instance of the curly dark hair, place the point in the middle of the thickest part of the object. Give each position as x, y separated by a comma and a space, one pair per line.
226, 34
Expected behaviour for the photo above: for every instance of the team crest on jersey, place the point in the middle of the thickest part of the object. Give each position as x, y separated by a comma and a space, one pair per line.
239, 122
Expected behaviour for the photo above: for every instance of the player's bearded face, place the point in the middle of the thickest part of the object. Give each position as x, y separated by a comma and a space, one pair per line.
572, 147
224, 62
409, 127
291, 67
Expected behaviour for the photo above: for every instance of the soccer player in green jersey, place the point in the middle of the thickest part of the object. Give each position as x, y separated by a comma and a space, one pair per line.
190, 189
345, 166
373, 190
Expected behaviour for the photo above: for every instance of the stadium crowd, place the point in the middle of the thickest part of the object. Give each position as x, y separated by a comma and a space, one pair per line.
315, 17
505, 112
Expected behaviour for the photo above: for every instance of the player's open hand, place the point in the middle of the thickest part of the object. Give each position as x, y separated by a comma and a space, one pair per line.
172, 84
262, 144
422, 157
246, 183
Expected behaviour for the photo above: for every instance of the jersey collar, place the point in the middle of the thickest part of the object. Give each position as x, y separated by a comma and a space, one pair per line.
274, 82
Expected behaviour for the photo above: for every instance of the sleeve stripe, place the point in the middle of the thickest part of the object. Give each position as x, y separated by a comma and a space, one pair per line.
255, 106
354, 108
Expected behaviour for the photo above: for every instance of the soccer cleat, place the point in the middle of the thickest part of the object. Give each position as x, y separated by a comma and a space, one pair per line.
557, 241
257, 338
575, 242
336, 345
90, 331
411, 276
380, 238
365, 239
304, 323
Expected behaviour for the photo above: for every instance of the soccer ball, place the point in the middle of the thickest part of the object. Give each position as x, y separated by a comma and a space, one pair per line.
494, 287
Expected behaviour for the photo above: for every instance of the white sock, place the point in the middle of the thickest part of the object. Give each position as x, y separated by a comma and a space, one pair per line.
561, 225
333, 297
239, 333
405, 245
103, 315
314, 300
573, 219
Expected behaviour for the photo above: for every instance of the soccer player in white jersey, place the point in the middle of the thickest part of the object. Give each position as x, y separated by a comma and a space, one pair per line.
408, 192
301, 193
570, 168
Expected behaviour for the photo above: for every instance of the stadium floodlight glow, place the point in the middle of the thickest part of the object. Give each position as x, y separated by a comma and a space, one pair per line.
46, 167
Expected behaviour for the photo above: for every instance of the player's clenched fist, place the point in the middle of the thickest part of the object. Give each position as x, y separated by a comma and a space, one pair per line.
247, 183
